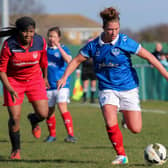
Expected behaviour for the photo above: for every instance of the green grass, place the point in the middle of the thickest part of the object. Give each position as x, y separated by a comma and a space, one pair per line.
93, 149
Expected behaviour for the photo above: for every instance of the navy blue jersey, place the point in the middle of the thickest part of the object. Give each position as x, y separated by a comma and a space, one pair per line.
56, 66
112, 62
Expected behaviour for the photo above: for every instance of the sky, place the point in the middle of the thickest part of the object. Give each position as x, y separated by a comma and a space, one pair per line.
134, 14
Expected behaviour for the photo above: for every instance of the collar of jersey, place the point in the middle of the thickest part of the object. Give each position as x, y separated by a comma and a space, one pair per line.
53, 47
112, 42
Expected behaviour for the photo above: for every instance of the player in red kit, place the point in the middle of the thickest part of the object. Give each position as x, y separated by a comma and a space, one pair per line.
23, 68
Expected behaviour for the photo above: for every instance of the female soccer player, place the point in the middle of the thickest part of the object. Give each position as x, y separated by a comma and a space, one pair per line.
118, 81
58, 58
23, 68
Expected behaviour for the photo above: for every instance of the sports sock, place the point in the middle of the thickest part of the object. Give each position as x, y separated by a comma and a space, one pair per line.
68, 122
35, 119
15, 139
14, 136
84, 96
92, 96
116, 139
51, 123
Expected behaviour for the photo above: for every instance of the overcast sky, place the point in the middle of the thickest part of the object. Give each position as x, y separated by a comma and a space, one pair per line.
135, 14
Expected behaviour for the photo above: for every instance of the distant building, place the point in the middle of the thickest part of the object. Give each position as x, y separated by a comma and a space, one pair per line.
76, 28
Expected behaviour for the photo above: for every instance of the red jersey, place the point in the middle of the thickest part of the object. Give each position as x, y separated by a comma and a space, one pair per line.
21, 63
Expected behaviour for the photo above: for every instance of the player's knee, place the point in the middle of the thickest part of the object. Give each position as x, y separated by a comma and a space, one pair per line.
43, 116
136, 130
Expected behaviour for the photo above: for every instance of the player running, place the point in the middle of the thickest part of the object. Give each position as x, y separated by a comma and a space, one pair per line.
23, 68
117, 79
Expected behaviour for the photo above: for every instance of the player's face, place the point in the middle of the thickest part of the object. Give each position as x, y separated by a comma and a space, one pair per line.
53, 38
26, 35
111, 30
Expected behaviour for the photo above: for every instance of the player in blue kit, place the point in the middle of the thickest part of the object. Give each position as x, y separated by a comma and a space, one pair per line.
117, 79
58, 58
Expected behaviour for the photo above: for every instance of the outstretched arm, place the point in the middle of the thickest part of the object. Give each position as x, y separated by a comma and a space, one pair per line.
71, 67
143, 53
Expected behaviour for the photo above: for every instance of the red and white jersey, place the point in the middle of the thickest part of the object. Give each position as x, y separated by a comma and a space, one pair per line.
21, 63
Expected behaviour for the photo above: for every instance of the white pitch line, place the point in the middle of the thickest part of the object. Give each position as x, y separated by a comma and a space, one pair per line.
155, 111
97, 105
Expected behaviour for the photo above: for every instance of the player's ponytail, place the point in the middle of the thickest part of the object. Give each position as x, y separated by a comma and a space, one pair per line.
21, 24
7, 31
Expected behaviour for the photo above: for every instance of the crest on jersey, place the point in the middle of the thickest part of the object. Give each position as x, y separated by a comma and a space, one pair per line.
97, 53
124, 38
115, 51
56, 54
35, 55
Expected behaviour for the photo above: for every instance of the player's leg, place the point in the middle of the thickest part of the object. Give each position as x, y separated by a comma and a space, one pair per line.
85, 84
114, 133
133, 120
40, 113
51, 119
38, 97
14, 110
130, 107
93, 90
109, 103
51, 124
68, 122
62, 101
14, 130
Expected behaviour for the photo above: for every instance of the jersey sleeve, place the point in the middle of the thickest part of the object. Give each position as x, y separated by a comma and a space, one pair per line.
86, 50
66, 49
130, 45
43, 59
4, 57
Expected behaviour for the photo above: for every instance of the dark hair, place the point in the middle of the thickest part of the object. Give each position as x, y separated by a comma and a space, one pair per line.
109, 14
21, 24
56, 29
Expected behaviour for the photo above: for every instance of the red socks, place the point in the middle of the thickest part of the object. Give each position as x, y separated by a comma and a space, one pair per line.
116, 139
51, 123
68, 122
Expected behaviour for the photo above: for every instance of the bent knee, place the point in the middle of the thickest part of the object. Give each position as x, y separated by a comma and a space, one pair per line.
136, 130
44, 116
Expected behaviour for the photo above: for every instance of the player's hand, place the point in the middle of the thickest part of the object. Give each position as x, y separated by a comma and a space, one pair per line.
46, 83
14, 96
57, 44
61, 83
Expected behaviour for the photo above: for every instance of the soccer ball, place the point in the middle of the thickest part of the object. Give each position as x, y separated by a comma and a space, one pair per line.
155, 154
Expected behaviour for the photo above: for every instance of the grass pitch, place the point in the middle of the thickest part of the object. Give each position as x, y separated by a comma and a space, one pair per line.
93, 149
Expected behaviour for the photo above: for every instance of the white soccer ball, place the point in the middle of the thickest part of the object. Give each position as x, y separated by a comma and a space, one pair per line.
155, 154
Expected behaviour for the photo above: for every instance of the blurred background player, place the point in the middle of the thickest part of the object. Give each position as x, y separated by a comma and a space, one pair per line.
58, 58
23, 68
117, 79
87, 75
158, 50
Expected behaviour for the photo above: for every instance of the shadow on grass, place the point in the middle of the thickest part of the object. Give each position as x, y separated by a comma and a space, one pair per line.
138, 165
108, 147
2, 159
96, 147
4, 140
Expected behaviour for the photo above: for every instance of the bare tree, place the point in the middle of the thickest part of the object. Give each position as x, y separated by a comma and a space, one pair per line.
25, 7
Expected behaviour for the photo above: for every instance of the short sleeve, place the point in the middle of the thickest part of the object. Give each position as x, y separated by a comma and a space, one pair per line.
86, 50
130, 45
43, 60
4, 57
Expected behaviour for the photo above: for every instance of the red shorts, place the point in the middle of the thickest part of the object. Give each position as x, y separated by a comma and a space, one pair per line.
34, 89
